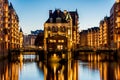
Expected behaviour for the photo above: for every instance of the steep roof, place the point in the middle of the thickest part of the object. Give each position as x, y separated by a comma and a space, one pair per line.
57, 14
11, 6
74, 16
63, 15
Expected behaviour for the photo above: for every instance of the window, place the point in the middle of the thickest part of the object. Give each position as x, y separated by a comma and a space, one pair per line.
68, 31
48, 28
62, 29
54, 29
59, 47
61, 41
52, 41
58, 19
51, 20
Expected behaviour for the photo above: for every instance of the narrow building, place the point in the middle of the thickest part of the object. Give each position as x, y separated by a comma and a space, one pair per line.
90, 38
104, 37
10, 34
114, 25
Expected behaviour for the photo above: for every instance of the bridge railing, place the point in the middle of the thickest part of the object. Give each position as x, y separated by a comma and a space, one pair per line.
27, 49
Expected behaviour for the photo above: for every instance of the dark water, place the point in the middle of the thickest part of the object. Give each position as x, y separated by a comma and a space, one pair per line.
71, 70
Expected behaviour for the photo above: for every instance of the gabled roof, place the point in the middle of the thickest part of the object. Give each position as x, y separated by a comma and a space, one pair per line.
57, 14
74, 16
21, 30
11, 6
64, 16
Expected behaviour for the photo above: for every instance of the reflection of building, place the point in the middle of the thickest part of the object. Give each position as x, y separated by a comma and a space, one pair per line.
9, 28
61, 30
9, 71
56, 71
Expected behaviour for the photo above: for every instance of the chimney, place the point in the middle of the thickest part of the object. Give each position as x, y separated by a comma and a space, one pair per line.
65, 12
50, 13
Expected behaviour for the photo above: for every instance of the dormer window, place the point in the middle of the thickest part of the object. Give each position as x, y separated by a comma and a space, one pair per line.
51, 20
58, 20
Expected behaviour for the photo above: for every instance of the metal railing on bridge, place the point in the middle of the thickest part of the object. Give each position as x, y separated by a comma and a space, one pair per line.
89, 49
26, 49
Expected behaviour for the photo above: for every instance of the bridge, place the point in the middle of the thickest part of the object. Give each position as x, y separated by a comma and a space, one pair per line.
27, 49
86, 49
81, 52
96, 54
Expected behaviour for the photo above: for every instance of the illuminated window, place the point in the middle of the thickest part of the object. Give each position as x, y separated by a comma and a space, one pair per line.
61, 41
68, 31
62, 29
59, 47
52, 41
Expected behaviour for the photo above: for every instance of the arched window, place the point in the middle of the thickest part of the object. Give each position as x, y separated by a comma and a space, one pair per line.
53, 28
48, 28
62, 29
56, 28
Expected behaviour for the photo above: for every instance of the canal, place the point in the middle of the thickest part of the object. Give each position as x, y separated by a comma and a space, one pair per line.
74, 69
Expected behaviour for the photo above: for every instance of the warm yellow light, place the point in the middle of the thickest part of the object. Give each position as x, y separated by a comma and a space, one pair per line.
117, 1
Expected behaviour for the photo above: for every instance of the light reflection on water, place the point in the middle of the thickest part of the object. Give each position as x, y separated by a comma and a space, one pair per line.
71, 70
29, 56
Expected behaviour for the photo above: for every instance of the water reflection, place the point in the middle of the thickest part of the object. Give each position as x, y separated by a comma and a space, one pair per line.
57, 71
9, 71
71, 70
